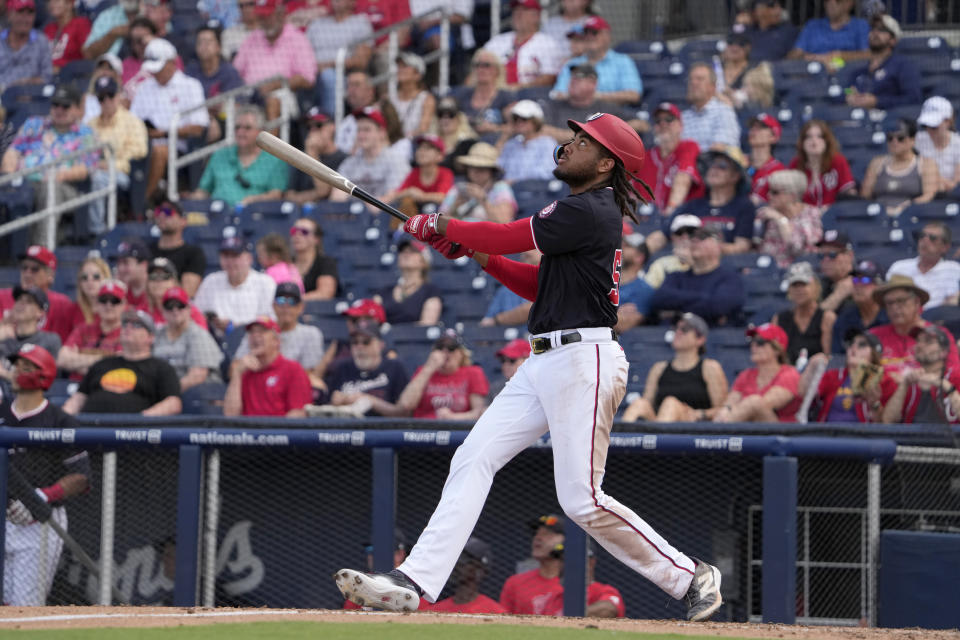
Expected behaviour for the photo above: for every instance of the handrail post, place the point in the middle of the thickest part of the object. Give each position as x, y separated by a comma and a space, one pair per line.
49, 225
231, 119
108, 514
172, 187
284, 114
338, 85
444, 80
494, 17
392, 49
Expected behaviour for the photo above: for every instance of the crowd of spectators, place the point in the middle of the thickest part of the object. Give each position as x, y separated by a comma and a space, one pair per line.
729, 175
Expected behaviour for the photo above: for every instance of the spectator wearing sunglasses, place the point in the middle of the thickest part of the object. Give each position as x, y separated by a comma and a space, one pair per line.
161, 277
38, 268
185, 345
320, 144
682, 228
448, 386
318, 270
126, 133
836, 268
856, 392
189, 259
299, 342
618, 80
511, 356
264, 382
89, 343
864, 312
526, 152
930, 270
686, 388
791, 228
25, 55
243, 173
133, 381
366, 376
92, 273
767, 392
901, 177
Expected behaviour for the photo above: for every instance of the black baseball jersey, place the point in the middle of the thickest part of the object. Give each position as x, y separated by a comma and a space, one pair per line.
43, 466
579, 280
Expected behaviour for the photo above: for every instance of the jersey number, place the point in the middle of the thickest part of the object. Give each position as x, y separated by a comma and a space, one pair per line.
614, 294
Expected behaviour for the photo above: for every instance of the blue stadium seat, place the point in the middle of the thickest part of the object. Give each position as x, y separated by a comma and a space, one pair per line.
753, 263
945, 315
537, 94
232, 342
464, 307
942, 84
859, 160
922, 45
854, 137
804, 89
107, 243
77, 73
647, 49
699, 50
945, 210
906, 112
275, 209
798, 68
9, 277
204, 399
654, 72
21, 95
870, 235
930, 64
843, 211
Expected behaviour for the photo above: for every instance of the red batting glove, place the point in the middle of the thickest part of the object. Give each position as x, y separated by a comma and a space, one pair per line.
448, 249
422, 227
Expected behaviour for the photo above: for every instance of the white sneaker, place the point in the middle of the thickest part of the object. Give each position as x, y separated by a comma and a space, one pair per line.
391, 592
703, 597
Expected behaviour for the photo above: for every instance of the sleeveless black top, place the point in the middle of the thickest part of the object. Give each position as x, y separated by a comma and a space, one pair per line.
811, 339
689, 387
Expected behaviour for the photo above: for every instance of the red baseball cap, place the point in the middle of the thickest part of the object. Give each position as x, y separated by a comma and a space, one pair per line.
178, 294
40, 253
670, 108
264, 321
617, 137
596, 23
515, 349
315, 114
366, 308
434, 141
113, 288
769, 122
770, 332
266, 7
528, 4
371, 113
16, 5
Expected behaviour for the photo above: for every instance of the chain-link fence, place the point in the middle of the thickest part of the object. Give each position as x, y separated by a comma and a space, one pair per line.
286, 517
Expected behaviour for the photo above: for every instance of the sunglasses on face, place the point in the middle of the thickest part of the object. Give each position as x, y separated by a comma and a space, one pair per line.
720, 164
105, 96
164, 211
59, 105
246, 5
684, 233
300, 231
446, 347
664, 120
364, 342
446, 114
759, 342
26, 10
32, 268
85, 277
109, 300
519, 119
862, 280
504, 360
131, 324
899, 137
157, 276
482, 65
832, 255
173, 305
932, 237
286, 301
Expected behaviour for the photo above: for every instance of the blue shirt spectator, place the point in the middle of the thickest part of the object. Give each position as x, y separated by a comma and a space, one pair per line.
772, 35
503, 300
733, 219
617, 77
526, 153
818, 36
214, 73
887, 80
708, 121
638, 293
24, 52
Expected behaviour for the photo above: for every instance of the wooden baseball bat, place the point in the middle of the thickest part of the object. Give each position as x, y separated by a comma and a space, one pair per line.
313, 167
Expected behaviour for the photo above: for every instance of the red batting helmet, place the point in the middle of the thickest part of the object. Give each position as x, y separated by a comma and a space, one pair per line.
617, 137
47, 367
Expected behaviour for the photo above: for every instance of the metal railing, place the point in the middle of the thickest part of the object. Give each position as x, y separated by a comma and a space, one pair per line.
393, 48
175, 161
49, 170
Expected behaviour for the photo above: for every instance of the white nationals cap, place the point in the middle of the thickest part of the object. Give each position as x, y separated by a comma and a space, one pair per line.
935, 110
685, 221
527, 109
158, 53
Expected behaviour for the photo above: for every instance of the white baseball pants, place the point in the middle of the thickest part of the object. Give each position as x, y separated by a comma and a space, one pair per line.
30, 561
573, 391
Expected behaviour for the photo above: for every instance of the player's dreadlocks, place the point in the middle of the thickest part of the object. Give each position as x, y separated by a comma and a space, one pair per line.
624, 193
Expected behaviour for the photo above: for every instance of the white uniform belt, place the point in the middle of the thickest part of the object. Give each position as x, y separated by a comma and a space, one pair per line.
543, 342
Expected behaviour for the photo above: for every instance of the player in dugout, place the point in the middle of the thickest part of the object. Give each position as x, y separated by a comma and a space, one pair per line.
571, 386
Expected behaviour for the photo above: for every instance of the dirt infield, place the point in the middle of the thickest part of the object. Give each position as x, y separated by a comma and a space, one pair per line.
92, 617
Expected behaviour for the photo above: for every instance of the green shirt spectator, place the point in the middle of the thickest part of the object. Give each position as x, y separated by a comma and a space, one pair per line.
244, 174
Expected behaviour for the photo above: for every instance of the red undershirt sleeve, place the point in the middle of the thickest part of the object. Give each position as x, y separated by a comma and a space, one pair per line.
519, 277
493, 238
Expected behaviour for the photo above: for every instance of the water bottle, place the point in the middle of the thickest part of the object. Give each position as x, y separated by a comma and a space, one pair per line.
307, 209
802, 360
238, 210
718, 70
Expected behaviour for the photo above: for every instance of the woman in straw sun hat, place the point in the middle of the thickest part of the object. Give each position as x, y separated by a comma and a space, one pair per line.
484, 195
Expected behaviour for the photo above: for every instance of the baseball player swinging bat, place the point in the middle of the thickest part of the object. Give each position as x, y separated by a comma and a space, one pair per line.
23, 491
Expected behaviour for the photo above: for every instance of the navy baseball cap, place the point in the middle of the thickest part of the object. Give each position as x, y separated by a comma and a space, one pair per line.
288, 290
479, 550
867, 269
134, 248
105, 86
234, 244
34, 292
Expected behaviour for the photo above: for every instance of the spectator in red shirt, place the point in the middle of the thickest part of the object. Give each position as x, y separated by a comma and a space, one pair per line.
928, 394
828, 172
470, 570
66, 32
768, 391
133, 260
764, 132
428, 182
263, 382
903, 301
93, 341
603, 600
448, 386
531, 591
38, 267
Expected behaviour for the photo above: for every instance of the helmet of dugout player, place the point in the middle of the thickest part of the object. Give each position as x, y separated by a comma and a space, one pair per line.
616, 136
46, 371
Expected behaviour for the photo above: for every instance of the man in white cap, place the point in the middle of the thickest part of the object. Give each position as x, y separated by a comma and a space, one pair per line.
526, 152
939, 141
887, 80
169, 91
682, 228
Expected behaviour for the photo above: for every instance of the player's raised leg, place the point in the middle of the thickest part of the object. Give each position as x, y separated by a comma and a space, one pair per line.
580, 420
510, 424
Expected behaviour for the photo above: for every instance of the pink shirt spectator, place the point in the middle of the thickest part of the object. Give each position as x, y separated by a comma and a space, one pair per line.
284, 272
291, 55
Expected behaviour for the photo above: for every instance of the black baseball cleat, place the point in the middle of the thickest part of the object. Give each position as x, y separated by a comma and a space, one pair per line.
388, 591
703, 597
